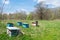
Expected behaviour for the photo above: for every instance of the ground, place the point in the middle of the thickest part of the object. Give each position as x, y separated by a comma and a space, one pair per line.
47, 30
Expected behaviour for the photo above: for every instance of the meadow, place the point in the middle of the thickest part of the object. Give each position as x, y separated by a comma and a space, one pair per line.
47, 30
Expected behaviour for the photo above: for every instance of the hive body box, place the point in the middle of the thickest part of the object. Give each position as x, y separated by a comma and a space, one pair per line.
25, 25
13, 31
19, 23
35, 23
10, 24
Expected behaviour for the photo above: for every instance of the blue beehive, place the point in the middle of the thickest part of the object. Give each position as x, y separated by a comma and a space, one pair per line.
25, 25
10, 25
19, 23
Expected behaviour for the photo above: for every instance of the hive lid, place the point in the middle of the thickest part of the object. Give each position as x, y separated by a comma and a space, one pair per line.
12, 28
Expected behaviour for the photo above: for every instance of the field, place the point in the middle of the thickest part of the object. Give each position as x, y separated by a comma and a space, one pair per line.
47, 30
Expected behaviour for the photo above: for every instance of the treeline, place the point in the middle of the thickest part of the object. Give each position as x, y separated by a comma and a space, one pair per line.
16, 16
41, 12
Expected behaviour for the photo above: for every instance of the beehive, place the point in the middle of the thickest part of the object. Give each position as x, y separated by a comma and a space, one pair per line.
35, 23
13, 31
25, 25
19, 23
10, 25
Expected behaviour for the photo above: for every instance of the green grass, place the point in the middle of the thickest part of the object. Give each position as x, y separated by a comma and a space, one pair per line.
47, 30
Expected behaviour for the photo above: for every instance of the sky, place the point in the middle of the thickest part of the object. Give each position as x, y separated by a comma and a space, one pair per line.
25, 5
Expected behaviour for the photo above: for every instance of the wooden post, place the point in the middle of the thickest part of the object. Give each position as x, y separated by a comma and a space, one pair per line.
36, 23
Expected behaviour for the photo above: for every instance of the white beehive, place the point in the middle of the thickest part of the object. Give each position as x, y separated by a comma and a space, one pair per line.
13, 31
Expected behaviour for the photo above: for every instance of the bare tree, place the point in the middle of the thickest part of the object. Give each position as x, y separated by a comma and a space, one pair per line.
41, 9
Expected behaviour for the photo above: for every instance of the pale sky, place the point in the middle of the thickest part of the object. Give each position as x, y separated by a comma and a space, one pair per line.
27, 5
56, 3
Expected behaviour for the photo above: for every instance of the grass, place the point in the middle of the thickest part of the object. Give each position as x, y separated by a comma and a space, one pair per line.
47, 30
